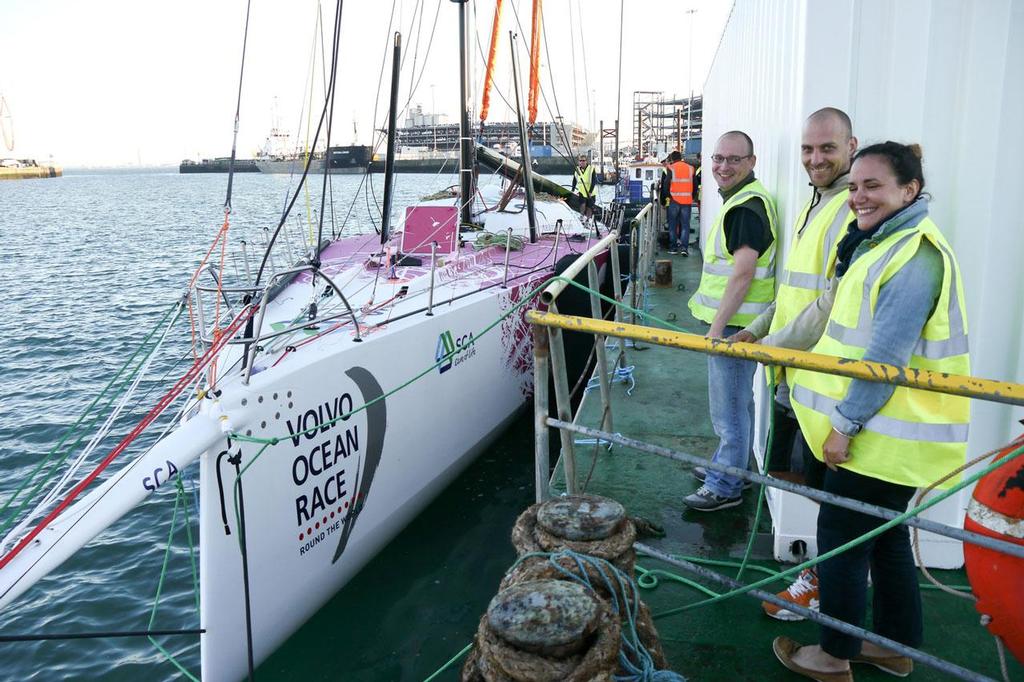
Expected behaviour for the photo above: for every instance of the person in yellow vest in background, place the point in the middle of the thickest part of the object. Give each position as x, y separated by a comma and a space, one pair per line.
583, 177
680, 195
827, 146
737, 284
900, 301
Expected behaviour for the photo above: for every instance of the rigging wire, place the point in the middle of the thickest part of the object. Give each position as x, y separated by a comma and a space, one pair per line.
238, 110
331, 90
305, 172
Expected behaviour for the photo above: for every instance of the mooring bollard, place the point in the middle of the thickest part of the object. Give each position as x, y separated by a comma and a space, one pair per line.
590, 525
663, 273
545, 630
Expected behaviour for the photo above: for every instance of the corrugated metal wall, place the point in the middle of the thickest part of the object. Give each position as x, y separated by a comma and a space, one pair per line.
944, 73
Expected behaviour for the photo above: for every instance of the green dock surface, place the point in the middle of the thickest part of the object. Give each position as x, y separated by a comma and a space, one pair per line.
729, 640
418, 603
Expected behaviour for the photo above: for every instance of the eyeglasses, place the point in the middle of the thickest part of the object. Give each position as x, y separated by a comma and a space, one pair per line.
729, 160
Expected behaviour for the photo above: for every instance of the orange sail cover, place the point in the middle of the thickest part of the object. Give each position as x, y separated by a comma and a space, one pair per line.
534, 62
489, 76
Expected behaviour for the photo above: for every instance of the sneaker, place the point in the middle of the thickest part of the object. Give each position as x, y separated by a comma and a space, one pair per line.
684, 254
673, 252
803, 591
706, 500
700, 473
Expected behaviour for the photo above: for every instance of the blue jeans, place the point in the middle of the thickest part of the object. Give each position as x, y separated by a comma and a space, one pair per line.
678, 226
731, 399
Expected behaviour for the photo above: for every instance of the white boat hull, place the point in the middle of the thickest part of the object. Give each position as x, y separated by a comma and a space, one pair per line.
323, 510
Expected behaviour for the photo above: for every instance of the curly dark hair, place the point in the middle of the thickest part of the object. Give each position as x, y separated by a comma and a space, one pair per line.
904, 159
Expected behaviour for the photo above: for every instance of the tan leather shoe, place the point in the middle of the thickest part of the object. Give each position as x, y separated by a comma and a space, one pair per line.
900, 666
784, 648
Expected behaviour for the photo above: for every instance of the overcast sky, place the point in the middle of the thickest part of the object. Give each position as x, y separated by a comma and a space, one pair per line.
122, 82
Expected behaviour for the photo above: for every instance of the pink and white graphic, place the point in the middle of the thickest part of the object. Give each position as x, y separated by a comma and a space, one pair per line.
425, 225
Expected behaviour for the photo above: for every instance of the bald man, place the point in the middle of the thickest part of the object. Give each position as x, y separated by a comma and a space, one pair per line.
827, 146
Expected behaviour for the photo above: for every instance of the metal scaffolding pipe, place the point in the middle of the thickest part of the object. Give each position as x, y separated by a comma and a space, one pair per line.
812, 493
820, 618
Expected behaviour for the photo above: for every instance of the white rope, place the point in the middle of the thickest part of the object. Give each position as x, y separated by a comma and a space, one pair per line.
58, 488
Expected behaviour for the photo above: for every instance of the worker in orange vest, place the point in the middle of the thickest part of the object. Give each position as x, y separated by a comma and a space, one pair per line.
680, 204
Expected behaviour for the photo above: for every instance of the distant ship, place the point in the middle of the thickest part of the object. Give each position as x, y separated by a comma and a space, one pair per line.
349, 159
218, 165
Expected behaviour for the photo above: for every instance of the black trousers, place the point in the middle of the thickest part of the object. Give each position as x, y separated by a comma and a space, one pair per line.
896, 604
786, 438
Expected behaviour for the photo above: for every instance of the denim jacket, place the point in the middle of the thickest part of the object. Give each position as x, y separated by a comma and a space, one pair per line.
904, 305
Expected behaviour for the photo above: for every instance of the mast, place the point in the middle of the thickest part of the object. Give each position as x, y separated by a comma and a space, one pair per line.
524, 144
389, 166
465, 141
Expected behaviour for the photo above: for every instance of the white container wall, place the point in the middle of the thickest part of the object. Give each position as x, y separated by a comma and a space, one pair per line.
942, 73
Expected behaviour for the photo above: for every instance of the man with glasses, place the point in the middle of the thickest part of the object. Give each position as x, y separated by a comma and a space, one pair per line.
737, 284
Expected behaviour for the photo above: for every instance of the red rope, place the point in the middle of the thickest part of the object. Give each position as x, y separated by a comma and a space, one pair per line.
222, 238
161, 405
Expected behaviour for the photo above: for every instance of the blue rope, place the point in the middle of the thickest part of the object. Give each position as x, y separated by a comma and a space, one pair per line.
620, 375
633, 657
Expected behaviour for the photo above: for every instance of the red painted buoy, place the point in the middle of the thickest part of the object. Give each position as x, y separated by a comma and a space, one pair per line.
997, 510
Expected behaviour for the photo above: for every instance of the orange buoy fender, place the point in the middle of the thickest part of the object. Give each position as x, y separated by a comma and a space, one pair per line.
997, 579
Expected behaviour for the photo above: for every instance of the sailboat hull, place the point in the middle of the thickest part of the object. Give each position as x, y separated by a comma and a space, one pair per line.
319, 505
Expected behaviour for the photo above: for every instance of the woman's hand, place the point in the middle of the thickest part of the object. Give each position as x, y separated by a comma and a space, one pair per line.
836, 449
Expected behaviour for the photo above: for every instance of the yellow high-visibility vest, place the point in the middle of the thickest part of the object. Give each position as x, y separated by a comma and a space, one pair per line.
585, 181
719, 265
918, 436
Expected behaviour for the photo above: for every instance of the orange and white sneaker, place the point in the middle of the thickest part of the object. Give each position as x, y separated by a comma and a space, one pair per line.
803, 592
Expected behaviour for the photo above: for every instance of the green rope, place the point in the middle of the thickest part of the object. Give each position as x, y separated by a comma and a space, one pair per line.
445, 358
486, 239
852, 543
191, 544
163, 568
451, 661
761, 488
170, 657
47, 459
179, 500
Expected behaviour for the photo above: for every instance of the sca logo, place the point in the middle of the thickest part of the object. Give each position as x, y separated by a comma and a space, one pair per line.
452, 350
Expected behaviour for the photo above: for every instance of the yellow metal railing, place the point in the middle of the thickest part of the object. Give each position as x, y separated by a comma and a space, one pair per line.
972, 387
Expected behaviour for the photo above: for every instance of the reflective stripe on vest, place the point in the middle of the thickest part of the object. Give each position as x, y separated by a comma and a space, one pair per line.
585, 181
955, 344
719, 265
887, 426
681, 187
918, 436
810, 257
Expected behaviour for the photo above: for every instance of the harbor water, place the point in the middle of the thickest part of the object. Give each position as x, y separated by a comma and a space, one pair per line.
91, 262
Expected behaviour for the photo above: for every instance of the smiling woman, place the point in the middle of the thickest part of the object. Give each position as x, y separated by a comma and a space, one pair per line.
900, 301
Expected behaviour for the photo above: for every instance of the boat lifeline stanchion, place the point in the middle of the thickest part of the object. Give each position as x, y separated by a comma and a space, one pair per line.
599, 349
562, 403
508, 249
542, 458
433, 269
557, 351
